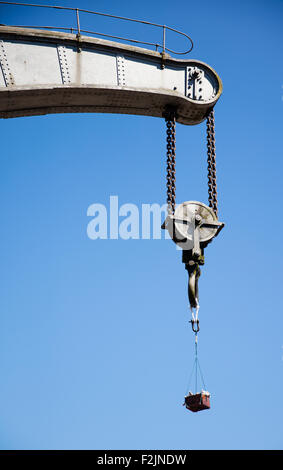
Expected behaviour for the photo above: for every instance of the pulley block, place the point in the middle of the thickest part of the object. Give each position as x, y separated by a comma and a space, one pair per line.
193, 226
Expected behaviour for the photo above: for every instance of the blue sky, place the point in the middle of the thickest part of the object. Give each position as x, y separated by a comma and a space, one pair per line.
95, 345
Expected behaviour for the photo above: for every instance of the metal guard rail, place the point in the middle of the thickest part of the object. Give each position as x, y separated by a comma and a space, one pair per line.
78, 29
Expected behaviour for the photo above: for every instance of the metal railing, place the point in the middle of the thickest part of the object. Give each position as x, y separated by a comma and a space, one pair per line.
78, 30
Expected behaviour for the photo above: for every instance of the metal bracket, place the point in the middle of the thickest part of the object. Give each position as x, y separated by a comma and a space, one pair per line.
163, 59
194, 83
121, 74
79, 43
66, 79
7, 74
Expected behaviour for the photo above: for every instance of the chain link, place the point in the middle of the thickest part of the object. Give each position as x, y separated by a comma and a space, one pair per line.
170, 118
211, 162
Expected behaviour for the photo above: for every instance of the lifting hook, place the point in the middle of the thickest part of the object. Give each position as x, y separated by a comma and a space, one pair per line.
194, 273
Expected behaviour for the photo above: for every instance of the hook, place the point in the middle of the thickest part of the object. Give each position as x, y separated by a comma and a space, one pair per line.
194, 274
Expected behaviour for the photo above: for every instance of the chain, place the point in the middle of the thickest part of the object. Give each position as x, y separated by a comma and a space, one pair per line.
170, 118
211, 162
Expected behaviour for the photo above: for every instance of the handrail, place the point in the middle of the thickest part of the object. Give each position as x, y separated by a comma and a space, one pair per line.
79, 30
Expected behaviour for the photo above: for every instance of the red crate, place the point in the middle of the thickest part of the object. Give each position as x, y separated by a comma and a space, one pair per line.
197, 402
